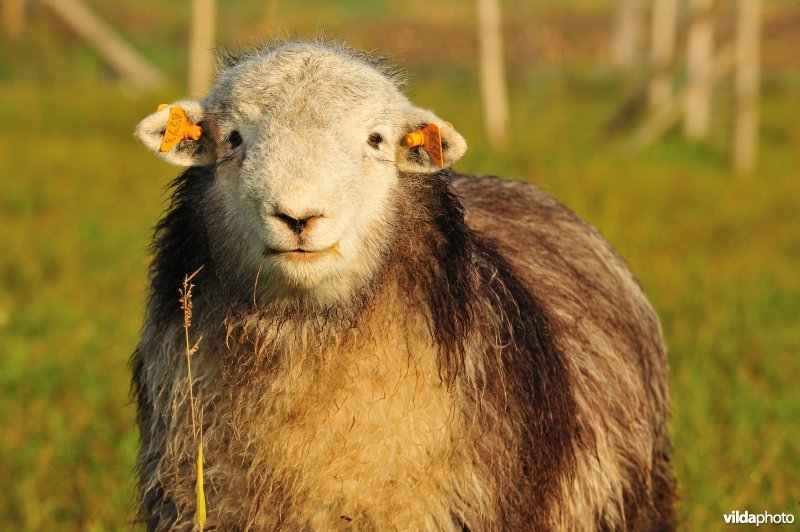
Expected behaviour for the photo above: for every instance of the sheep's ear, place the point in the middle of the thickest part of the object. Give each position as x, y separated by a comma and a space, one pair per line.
175, 133
427, 143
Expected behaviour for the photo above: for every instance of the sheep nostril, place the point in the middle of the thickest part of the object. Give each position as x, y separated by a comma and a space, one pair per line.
298, 225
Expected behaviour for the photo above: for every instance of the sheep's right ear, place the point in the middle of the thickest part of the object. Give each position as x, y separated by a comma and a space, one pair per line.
185, 151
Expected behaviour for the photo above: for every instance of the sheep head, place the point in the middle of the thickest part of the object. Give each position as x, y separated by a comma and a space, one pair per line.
307, 142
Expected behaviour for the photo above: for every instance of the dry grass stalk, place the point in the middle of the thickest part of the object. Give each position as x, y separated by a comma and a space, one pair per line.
186, 306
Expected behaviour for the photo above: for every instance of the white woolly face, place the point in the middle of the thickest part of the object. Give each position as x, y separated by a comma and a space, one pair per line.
308, 146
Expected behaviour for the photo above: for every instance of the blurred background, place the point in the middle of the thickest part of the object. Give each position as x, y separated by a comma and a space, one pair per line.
671, 125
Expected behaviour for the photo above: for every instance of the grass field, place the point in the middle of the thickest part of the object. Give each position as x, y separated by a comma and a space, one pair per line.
717, 254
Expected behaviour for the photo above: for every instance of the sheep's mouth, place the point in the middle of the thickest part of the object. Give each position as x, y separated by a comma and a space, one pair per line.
303, 255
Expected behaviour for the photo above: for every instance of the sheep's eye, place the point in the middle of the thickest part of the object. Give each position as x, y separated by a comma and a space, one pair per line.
235, 138
374, 140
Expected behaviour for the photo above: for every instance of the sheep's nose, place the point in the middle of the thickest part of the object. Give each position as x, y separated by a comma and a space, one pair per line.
298, 225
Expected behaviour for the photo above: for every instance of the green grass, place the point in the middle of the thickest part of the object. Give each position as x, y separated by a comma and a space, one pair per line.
717, 254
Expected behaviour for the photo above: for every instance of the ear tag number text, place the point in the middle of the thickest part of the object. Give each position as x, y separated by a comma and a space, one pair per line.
178, 128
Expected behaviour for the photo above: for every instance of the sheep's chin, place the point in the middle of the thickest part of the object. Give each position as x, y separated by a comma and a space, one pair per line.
324, 276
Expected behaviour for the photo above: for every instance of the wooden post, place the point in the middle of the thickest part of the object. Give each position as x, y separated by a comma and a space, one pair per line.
663, 27
492, 71
627, 32
201, 46
270, 23
13, 17
748, 36
669, 111
699, 58
109, 44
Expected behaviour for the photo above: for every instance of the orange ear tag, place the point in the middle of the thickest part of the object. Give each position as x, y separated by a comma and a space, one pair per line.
178, 128
430, 138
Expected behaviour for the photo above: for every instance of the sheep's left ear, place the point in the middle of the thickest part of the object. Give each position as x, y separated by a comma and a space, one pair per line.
175, 133
427, 143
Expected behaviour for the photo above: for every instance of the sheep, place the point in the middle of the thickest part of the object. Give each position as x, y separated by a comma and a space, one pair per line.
384, 343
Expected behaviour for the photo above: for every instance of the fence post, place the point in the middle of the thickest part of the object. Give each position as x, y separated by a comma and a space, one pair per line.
201, 46
492, 71
13, 14
748, 36
627, 34
699, 59
98, 34
663, 29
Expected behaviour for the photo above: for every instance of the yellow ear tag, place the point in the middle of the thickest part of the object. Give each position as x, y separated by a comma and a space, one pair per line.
178, 128
430, 138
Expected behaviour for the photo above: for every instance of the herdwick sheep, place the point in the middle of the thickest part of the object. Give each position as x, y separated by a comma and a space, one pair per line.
383, 343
